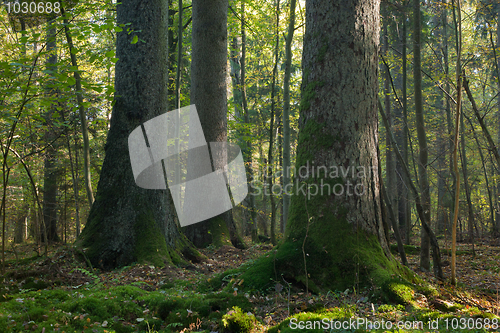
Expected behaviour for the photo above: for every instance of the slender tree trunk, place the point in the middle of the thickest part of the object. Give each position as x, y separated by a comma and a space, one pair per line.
270, 173
496, 228
436, 253
486, 178
422, 140
179, 60
248, 149
449, 121
50, 176
406, 199
83, 118
443, 135
286, 112
457, 21
463, 160
20, 227
390, 160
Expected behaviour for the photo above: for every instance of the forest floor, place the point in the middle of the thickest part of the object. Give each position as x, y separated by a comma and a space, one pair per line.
59, 293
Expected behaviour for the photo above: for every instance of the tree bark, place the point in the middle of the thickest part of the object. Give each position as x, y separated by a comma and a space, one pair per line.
422, 140
443, 136
436, 253
50, 170
390, 160
406, 133
248, 149
463, 160
127, 223
83, 118
270, 169
208, 93
286, 112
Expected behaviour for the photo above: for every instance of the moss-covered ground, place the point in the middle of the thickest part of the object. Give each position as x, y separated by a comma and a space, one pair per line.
59, 293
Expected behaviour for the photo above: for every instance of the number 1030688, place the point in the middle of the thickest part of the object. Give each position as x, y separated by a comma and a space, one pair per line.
471, 323
33, 7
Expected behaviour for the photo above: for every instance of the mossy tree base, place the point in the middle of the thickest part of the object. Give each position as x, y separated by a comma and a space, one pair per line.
215, 232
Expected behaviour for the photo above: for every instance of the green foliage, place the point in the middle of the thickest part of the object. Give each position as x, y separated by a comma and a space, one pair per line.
390, 308
236, 321
290, 324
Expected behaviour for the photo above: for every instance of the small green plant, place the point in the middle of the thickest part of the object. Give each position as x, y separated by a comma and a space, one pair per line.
237, 321
390, 308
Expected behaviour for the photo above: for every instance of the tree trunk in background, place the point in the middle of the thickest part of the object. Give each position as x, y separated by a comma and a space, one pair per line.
330, 235
390, 160
247, 150
270, 169
399, 129
449, 122
21, 224
422, 140
50, 171
442, 137
179, 61
486, 178
208, 93
286, 112
406, 134
127, 223
83, 117
470, 224
496, 229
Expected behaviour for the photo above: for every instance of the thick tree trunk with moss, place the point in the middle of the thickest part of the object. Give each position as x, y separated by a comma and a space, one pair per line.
335, 236
128, 223
208, 93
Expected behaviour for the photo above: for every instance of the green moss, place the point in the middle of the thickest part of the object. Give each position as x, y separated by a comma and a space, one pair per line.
385, 308
219, 233
35, 284
308, 93
399, 291
291, 324
150, 244
236, 321
187, 310
313, 137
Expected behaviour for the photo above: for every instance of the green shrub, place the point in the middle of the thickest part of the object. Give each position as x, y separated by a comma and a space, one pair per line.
236, 321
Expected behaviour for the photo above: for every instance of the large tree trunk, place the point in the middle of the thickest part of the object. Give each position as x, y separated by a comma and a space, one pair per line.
425, 263
126, 222
335, 237
208, 93
50, 171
